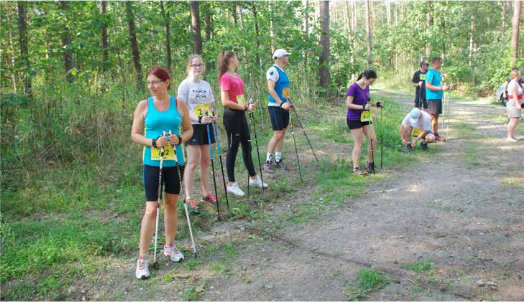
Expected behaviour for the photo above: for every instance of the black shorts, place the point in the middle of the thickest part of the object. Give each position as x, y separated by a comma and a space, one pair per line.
357, 124
170, 180
434, 107
279, 117
200, 135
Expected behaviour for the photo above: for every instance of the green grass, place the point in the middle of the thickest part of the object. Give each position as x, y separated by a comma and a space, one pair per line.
367, 281
60, 222
420, 266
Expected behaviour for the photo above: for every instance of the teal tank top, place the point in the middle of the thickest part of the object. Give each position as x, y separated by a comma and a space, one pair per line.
155, 123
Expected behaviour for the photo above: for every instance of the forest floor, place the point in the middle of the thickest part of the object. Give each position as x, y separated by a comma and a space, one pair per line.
446, 227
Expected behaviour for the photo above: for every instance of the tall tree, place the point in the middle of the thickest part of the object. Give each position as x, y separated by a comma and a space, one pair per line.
368, 33
271, 26
388, 11
165, 14
515, 30
134, 43
24, 54
66, 45
195, 26
324, 43
208, 21
472, 37
257, 31
503, 29
429, 25
105, 43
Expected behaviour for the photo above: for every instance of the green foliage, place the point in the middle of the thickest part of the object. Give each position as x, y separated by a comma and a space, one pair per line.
420, 266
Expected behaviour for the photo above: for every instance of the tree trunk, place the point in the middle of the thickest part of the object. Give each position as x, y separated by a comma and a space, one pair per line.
24, 53
66, 45
134, 44
515, 31
472, 37
324, 43
208, 21
354, 17
430, 24
165, 14
368, 33
105, 43
388, 11
257, 32
306, 32
503, 29
271, 27
195, 26
234, 13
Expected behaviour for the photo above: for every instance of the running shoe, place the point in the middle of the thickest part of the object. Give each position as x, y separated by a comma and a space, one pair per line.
173, 253
281, 165
424, 145
235, 189
370, 167
209, 199
192, 203
409, 148
142, 268
268, 167
359, 172
257, 182
511, 140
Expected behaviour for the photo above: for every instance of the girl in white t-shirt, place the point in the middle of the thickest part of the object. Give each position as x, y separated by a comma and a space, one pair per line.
514, 105
198, 96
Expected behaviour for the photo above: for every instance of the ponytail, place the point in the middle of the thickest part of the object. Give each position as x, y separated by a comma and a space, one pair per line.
368, 74
223, 61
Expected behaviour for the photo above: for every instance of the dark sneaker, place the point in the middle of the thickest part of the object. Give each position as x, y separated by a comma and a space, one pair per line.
409, 148
359, 172
281, 165
210, 199
424, 145
371, 167
268, 168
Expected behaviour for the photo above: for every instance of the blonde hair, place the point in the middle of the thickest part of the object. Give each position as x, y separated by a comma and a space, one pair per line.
190, 62
514, 74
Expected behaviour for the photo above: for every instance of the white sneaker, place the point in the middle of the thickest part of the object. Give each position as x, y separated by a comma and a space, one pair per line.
142, 268
257, 182
173, 253
511, 140
235, 189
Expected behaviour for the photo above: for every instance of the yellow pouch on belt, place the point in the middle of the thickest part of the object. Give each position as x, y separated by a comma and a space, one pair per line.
241, 100
416, 132
365, 116
286, 93
202, 109
169, 153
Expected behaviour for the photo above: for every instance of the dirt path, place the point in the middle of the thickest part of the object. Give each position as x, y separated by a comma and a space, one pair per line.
461, 210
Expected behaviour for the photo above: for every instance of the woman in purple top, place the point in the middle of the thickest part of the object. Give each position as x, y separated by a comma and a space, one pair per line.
359, 119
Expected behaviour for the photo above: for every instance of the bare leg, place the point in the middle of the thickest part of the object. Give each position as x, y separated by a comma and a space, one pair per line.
205, 160
357, 147
170, 217
147, 228
193, 158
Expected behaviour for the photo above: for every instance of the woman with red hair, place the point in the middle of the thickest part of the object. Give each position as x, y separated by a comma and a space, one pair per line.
153, 117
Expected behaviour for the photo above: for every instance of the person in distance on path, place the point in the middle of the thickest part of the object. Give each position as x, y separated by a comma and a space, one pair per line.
419, 82
435, 93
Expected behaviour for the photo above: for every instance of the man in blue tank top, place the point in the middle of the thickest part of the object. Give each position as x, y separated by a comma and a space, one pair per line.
278, 108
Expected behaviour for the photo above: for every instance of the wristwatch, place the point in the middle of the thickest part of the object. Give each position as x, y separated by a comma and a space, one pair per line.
179, 139
154, 143
200, 119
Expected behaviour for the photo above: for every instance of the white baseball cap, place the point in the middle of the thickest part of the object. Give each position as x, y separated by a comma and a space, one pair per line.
279, 53
414, 115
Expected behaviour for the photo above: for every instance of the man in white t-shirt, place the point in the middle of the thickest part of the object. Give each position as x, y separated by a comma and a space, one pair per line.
416, 119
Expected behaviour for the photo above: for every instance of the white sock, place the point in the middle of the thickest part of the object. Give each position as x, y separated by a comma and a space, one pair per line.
269, 156
278, 156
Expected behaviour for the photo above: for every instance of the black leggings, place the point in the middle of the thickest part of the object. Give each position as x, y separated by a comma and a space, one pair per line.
237, 131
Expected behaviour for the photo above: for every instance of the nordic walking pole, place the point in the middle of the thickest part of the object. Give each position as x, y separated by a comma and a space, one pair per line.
296, 150
303, 130
213, 167
159, 199
252, 116
180, 177
381, 138
219, 149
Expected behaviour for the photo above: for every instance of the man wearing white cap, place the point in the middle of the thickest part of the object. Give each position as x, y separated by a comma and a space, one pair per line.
278, 108
416, 119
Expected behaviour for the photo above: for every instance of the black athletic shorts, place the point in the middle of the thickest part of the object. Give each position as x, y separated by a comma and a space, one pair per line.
170, 180
279, 117
357, 124
434, 107
200, 135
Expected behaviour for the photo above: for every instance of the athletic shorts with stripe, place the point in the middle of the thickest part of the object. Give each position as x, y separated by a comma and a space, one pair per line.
279, 117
